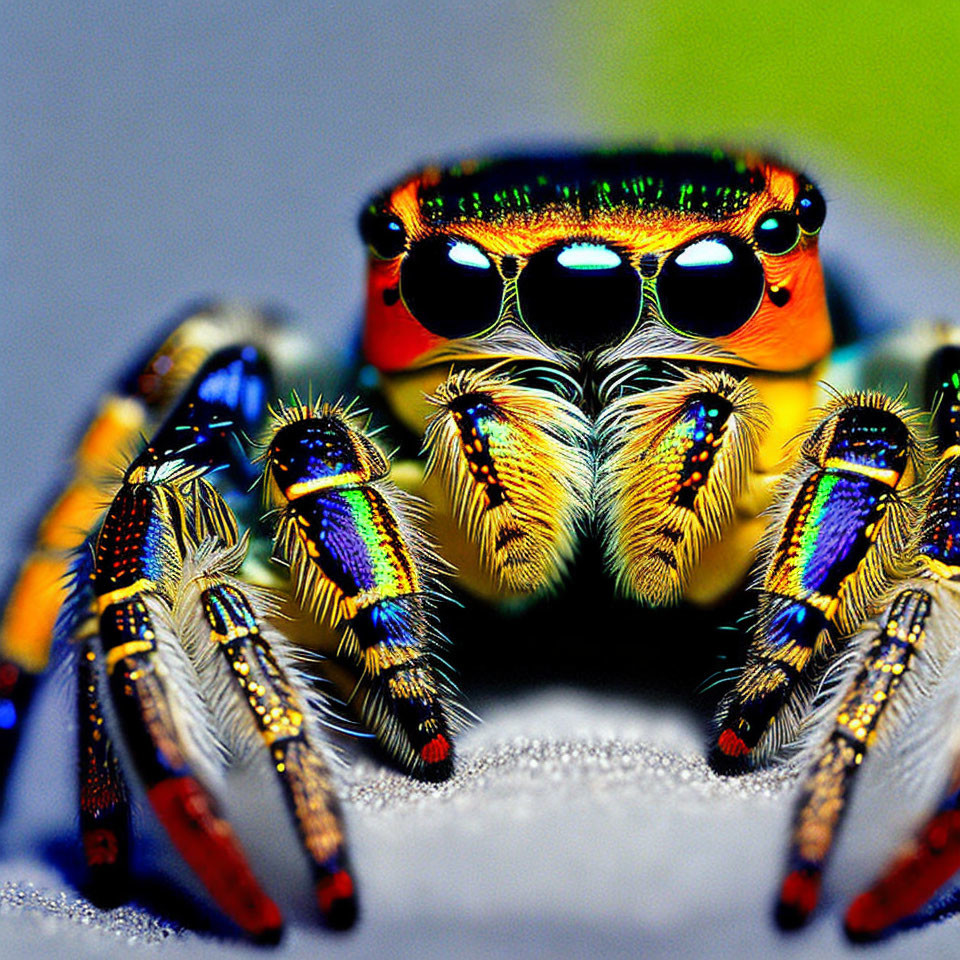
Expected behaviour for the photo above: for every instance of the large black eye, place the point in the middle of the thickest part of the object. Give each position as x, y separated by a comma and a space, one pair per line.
777, 232
451, 287
710, 287
811, 208
579, 295
383, 233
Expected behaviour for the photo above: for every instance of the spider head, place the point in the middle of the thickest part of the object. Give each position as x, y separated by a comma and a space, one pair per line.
582, 252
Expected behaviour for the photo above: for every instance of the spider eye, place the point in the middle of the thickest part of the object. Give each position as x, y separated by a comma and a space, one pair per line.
811, 208
710, 287
777, 233
579, 295
451, 287
383, 233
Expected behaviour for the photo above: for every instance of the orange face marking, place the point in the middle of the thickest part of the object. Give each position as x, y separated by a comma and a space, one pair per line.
793, 336
392, 339
789, 331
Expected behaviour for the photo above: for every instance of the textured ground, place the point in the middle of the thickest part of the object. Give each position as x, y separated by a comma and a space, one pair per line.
577, 825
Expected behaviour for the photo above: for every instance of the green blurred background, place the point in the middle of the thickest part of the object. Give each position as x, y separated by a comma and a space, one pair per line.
869, 90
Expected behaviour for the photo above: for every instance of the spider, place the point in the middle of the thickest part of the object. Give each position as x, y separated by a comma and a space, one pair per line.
620, 347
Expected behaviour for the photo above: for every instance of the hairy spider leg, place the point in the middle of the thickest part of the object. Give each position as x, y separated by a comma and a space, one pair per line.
226, 397
159, 513
357, 559
932, 856
281, 720
143, 396
104, 804
826, 790
128, 574
834, 550
673, 462
515, 464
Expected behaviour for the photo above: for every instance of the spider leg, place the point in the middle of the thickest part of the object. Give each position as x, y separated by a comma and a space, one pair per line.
673, 462
926, 861
162, 511
356, 558
104, 806
159, 512
29, 622
840, 532
277, 714
825, 794
922, 865
515, 463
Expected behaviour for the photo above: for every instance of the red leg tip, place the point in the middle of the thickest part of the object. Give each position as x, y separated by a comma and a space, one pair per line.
866, 919
798, 898
913, 878
437, 750
337, 900
100, 847
264, 922
208, 845
731, 745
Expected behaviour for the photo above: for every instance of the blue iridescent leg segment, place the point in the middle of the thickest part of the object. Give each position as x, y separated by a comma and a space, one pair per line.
932, 856
915, 628
842, 530
357, 561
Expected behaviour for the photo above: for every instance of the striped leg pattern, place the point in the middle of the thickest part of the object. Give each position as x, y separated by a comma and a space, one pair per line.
837, 541
29, 622
252, 680
358, 562
901, 659
932, 856
826, 791
158, 513
150, 600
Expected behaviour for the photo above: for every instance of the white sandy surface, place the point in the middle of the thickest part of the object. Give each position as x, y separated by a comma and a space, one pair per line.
576, 826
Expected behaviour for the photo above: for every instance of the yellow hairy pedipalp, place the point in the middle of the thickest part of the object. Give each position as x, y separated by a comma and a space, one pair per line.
663, 491
516, 466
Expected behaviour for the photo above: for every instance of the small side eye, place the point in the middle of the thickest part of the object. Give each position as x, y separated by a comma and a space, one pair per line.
710, 287
777, 233
383, 233
451, 287
811, 208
